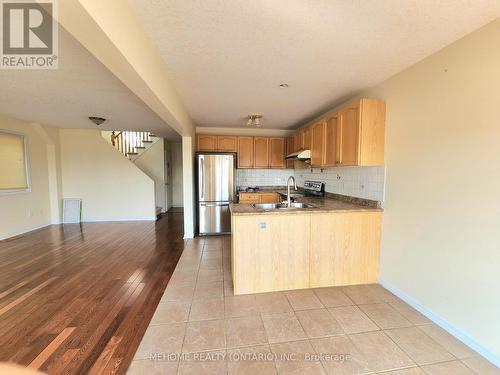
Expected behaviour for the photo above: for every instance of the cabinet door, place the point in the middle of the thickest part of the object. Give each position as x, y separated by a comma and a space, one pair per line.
269, 198
345, 248
298, 141
261, 152
331, 154
276, 153
290, 149
207, 143
245, 152
317, 146
226, 143
306, 138
349, 136
270, 253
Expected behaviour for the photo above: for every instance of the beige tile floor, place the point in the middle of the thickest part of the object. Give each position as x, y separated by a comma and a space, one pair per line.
343, 330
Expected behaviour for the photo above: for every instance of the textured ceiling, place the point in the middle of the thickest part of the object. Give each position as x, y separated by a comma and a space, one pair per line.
80, 88
227, 57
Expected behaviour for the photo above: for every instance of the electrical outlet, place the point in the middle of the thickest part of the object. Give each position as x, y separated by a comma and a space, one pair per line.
263, 225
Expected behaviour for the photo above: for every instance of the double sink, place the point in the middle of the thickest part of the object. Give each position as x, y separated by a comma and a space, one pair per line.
281, 206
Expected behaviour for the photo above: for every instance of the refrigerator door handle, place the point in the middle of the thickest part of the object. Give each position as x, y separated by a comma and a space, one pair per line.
214, 204
202, 166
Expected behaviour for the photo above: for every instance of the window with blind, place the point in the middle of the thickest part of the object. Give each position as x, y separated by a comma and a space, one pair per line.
13, 163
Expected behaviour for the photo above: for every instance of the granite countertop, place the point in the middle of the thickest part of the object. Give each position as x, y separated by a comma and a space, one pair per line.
322, 205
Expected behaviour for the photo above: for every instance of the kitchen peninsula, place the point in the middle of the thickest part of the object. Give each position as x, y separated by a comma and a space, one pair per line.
334, 242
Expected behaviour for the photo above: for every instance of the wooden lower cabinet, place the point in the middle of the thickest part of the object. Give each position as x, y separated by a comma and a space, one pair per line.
345, 248
249, 198
269, 198
270, 253
295, 251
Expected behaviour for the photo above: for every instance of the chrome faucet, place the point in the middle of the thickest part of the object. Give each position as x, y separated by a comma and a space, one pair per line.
288, 200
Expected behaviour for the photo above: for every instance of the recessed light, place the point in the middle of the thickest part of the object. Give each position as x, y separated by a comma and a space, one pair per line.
283, 85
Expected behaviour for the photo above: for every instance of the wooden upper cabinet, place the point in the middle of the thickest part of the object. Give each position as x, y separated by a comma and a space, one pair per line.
331, 152
372, 137
290, 148
307, 138
361, 131
298, 138
276, 153
226, 143
206, 143
349, 135
317, 144
352, 137
245, 152
261, 152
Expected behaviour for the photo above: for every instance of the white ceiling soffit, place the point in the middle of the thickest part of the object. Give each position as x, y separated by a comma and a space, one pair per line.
227, 58
80, 88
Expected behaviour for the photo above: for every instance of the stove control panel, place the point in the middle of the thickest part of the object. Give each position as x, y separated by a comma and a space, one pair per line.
314, 187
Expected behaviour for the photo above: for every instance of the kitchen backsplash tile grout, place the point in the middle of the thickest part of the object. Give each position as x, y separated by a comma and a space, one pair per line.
361, 182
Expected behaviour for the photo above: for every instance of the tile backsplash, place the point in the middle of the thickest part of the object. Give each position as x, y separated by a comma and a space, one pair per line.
262, 177
361, 182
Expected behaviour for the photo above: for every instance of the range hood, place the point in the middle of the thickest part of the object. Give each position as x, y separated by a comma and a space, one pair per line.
299, 155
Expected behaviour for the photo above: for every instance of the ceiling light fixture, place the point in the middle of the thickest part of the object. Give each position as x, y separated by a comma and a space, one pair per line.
284, 86
254, 120
97, 120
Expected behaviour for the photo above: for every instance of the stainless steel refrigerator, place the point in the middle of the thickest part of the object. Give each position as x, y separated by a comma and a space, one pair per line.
215, 180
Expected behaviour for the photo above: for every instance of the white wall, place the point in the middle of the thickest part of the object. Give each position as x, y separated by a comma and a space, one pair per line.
177, 194
361, 182
188, 186
112, 188
152, 163
25, 211
440, 242
168, 174
262, 177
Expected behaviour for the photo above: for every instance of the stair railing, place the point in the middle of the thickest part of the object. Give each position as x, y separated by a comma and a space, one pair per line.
129, 143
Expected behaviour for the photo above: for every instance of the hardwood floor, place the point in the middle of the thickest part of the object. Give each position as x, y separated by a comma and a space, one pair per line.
77, 299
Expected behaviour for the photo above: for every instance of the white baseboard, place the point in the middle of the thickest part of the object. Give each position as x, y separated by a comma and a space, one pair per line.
14, 234
94, 220
443, 323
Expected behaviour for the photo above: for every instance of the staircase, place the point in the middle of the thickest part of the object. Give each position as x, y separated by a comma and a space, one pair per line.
131, 144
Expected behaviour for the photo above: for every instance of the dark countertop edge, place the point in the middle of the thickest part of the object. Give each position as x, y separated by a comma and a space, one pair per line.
304, 211
350, 207
364, 202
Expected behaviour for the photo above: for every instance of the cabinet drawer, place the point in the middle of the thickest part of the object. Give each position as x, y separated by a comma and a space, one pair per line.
249, 198
269, 198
